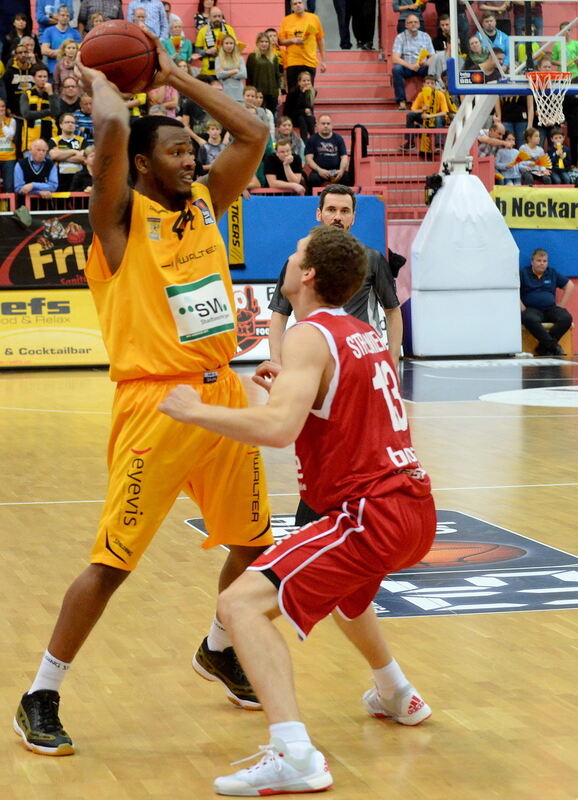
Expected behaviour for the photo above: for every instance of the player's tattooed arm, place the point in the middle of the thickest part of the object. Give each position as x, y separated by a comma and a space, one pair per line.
110, 199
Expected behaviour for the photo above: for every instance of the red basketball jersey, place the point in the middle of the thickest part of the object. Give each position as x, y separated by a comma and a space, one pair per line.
358, 444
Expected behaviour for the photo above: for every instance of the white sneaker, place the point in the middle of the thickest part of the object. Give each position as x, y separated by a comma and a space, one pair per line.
277, 773
406, 707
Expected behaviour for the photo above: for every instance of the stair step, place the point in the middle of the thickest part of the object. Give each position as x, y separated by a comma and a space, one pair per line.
355, 105
351, 56
351, 68
353, 81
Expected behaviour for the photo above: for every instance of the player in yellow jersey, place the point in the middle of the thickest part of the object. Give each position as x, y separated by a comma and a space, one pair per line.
159, 275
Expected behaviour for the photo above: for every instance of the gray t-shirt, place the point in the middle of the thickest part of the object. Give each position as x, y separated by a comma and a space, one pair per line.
378, 286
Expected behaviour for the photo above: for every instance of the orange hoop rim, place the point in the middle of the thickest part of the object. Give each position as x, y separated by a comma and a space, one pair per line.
535, 75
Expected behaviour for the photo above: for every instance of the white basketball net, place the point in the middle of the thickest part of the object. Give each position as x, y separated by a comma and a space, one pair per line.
549, 90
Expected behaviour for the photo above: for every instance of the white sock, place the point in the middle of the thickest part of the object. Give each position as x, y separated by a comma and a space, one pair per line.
50, 674
389, 679
218, 638
295, 736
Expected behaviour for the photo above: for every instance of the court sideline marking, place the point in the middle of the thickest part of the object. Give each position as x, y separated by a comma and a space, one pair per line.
296, 494
413, 402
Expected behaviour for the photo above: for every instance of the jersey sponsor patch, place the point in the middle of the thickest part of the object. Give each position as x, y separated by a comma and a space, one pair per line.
208, 218
154, 228
200, 309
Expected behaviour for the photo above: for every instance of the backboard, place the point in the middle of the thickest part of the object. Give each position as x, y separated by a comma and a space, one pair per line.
542, 36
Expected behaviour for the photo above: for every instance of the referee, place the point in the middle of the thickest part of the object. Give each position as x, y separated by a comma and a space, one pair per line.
337, 208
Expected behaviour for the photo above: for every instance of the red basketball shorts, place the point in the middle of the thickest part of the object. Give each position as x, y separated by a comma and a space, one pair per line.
339, 561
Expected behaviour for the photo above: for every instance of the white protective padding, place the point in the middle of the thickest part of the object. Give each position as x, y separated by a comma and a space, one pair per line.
466, 323
464, 242
465, 275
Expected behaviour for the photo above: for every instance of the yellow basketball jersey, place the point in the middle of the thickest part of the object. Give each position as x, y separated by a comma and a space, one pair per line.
169, 308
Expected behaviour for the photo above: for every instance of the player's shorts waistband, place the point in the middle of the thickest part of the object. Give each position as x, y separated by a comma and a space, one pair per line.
211, 376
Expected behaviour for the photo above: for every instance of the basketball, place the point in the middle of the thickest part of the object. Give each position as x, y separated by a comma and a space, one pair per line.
458, 554
123, 52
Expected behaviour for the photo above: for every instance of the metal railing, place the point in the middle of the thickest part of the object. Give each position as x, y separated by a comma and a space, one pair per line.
400, 159
59, 201
7, 202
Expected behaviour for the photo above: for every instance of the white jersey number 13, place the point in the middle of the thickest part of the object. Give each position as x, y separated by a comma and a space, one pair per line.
386, 380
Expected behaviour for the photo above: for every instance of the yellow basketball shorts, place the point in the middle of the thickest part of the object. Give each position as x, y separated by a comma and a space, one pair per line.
152, 458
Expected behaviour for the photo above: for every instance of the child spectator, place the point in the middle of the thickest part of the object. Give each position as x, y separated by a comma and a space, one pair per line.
84, 122
285, 131
165, 96
507, 172
182, 65
65, 63
530, 170
177, 45
268, 114
250, 102
428, 110
517, 114
560, 157
299, 105
230, 68
571, 115
136, 105
209, 151
264, 73
274, 39
82, 181
95, 19
7, 148
452, 100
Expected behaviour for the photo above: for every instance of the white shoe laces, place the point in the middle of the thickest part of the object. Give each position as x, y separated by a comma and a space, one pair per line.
268, 752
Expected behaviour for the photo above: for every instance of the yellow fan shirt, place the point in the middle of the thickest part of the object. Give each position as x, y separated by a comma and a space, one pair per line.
309, 28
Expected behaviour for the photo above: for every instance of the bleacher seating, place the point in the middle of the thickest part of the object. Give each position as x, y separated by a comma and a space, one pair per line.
357, 88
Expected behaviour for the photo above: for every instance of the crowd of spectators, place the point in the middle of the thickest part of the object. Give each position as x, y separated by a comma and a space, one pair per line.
537, 153
45, 118
40, 97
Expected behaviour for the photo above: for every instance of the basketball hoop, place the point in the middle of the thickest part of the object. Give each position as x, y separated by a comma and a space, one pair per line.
549, 90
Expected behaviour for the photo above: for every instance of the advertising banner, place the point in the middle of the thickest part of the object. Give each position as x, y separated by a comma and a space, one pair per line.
51, 253
253, 316
60, 327
537, 206
51, 328
259, 234
545, 217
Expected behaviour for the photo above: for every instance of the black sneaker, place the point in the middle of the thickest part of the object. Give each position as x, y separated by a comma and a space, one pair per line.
37, 722
214, 665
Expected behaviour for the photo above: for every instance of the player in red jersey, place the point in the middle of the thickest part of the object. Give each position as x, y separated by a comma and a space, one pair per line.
337, 396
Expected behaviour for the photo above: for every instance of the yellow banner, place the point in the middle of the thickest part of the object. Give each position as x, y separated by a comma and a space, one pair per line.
542, 207
49, 328
236, 235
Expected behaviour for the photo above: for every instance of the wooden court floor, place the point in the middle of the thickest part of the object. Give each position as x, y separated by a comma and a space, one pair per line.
503, 687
